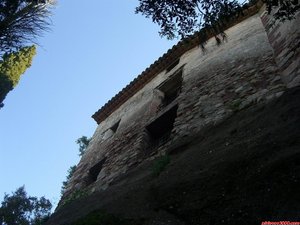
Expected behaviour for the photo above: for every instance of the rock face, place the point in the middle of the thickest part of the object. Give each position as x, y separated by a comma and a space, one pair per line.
245, 170
285, 41
198, 90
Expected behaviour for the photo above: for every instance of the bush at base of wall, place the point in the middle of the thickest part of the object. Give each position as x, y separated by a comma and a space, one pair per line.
103, 218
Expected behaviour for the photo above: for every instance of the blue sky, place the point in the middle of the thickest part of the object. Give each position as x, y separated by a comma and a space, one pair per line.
92, 52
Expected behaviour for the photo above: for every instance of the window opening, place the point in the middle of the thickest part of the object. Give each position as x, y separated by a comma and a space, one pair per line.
171, 88
115, 126
175, 63
160, 129
95, 170
110, 131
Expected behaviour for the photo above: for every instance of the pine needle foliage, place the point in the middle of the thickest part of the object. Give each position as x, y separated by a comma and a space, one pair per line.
22, 21
12, 66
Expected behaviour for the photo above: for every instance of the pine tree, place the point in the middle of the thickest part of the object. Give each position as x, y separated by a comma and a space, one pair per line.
22, 21
12, 66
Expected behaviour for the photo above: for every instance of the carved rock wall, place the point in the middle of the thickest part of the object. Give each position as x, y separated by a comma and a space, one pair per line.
285, 40
252, 67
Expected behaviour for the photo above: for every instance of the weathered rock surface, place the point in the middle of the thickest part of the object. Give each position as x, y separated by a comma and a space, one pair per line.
244, 170
246, 70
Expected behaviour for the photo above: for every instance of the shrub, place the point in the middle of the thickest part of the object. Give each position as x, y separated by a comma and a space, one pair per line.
101, 218
160, 164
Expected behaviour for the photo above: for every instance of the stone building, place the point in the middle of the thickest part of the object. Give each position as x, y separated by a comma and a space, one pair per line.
188, 90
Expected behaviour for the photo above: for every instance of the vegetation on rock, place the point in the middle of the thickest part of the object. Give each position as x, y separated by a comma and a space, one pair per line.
83, 143
101, 218
70, 173
160, 164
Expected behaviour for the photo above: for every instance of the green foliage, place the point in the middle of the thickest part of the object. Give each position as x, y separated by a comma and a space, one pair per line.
75, 195
71, 171
185, 17
283, 9
83, 143
21, 209
235, 105
102, 218
22, 21
160, 164
12, 66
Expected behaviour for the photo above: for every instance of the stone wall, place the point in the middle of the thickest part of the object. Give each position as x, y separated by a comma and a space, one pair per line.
215, 83
123, 149
231, 77
285, 40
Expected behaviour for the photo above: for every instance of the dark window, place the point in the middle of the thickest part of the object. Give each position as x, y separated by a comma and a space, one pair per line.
111, 131
160, 129
95, 170
175, 63
171, 88
115, 126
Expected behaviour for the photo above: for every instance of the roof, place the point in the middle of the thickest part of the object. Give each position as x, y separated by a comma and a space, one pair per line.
159, 65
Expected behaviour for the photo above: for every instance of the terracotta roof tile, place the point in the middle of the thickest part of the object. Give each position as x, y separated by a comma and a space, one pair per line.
158, 66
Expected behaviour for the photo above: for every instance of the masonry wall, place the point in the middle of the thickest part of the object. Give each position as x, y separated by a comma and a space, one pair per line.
231, 77
285, 40
245, 70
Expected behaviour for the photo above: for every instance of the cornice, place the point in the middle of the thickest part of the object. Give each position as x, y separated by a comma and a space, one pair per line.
160, 65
